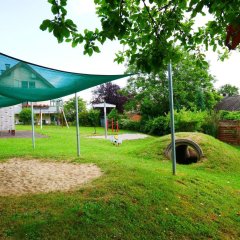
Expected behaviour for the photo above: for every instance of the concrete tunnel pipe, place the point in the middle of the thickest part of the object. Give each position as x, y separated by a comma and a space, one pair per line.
187, 151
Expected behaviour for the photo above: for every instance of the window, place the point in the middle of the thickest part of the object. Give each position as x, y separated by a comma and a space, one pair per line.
31, 84
28, 84
24, 84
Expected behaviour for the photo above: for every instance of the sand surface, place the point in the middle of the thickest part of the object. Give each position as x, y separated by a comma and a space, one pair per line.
125, 136
18, 177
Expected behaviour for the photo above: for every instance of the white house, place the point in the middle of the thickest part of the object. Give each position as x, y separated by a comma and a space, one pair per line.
49, 111
13, 76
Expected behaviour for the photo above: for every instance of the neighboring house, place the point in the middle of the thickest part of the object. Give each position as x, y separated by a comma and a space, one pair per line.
12, 76
49, 110
230, 103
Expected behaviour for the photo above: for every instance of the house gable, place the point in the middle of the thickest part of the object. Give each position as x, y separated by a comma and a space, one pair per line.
23, 76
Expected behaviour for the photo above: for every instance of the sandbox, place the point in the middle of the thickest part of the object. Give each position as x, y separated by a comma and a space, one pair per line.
19, 177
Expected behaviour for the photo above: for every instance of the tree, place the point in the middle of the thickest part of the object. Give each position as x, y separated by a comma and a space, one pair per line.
70, 109
228, 90
193, 88
110, 93
25, 116
148, 29
94, 117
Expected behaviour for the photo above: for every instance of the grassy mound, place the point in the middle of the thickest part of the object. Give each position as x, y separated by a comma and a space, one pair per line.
218, 156
136, 198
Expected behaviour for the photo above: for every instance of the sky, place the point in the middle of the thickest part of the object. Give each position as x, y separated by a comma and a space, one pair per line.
21, 37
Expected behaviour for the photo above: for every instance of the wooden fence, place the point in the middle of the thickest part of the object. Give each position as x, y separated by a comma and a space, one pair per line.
229, 132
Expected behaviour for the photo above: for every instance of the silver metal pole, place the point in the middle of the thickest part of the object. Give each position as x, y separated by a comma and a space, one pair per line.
172, 118
77, 126
41, 118
105, 119
33, 130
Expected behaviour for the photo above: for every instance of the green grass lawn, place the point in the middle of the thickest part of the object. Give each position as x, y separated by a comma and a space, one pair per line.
136, 198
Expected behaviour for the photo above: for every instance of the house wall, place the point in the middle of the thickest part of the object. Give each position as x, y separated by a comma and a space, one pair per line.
47, 108
7, 119
15, 78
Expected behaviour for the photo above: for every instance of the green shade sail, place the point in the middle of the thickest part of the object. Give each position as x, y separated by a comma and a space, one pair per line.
21, 81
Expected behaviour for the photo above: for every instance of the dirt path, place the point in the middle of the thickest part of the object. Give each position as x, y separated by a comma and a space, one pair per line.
18, 177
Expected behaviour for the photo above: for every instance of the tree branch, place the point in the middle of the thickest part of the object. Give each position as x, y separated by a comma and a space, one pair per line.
152, 19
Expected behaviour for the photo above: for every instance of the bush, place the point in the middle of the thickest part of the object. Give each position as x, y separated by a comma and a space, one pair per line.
210, 124
185, 121
227, 115
114, 115
84, 119
189, 121
129, 125
25, 116
159, 126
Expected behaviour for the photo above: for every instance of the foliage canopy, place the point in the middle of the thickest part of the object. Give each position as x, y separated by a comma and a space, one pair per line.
148, 29
70, 109
193, 88
110, 93
228, 90
25, 116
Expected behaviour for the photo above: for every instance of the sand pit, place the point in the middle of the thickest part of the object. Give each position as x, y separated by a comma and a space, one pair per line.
19, 177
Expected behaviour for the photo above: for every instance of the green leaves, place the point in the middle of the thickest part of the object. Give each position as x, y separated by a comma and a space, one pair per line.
45, 24
193, 87
148, 29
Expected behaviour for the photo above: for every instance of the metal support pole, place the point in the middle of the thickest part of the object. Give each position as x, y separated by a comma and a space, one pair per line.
172, 118
77, 126
105, 119
41, 118
33, 130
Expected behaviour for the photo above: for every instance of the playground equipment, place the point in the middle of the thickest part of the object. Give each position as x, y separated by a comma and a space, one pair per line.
116, 140
114, 126
104, 106
187, 151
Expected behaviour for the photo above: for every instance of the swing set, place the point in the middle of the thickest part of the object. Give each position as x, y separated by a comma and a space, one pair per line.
114, 125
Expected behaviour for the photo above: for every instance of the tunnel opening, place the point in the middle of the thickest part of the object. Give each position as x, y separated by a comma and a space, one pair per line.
187, 151
186, 155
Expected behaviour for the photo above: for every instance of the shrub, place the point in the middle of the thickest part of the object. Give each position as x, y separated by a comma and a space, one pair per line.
113, 115
189, 121
25, 116
94, 118
129, 124
210, 124
159, 126
227, 115
185, 121
84, 119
